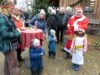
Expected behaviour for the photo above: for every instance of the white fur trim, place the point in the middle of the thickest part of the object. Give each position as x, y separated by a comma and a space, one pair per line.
81, 30
76, 27
79, 10
67, 50
68, 25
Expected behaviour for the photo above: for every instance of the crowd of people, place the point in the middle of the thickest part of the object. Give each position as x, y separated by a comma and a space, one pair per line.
66, 22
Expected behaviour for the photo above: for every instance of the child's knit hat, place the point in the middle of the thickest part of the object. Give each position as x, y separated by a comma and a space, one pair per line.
36, 42
42, 12
52, 31
81, 30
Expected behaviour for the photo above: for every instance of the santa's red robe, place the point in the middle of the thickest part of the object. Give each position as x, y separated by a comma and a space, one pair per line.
69, 34
78, 22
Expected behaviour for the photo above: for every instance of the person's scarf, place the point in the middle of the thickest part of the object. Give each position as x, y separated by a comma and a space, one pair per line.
16, 17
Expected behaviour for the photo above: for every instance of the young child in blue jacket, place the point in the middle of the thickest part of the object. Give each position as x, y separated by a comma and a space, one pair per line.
52, 44
36, 53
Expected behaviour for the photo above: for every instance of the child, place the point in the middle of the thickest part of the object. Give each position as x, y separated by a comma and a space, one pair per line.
52, 44
36, 53
78, 48
69, 34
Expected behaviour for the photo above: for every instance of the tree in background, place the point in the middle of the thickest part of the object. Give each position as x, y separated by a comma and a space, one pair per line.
40, 4
1, 1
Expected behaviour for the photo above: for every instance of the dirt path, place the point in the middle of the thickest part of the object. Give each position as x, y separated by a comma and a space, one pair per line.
60, 66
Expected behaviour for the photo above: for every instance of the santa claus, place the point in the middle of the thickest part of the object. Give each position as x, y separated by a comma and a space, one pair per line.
77, 21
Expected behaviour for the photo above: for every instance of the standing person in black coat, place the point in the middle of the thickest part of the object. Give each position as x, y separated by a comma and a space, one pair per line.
51, 21
60, 25
68, 14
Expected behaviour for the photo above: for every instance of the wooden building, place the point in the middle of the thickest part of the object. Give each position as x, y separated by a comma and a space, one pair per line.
97, 9
65, 3
94, 4
94, 16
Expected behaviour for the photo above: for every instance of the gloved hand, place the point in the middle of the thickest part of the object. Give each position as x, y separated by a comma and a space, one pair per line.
41, 53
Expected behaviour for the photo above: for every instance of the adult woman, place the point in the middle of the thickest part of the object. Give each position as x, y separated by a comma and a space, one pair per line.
40, 22
40, 19
19, 25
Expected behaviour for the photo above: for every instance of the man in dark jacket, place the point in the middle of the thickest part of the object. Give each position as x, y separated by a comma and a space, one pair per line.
60, 25
8, 39
67, 16
40, 20
51, 21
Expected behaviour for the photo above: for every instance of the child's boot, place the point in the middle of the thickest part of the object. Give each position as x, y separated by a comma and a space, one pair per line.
49, 54
77, 67
73, 66
54, 55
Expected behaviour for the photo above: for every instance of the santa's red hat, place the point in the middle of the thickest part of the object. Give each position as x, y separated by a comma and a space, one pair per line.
79, 9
